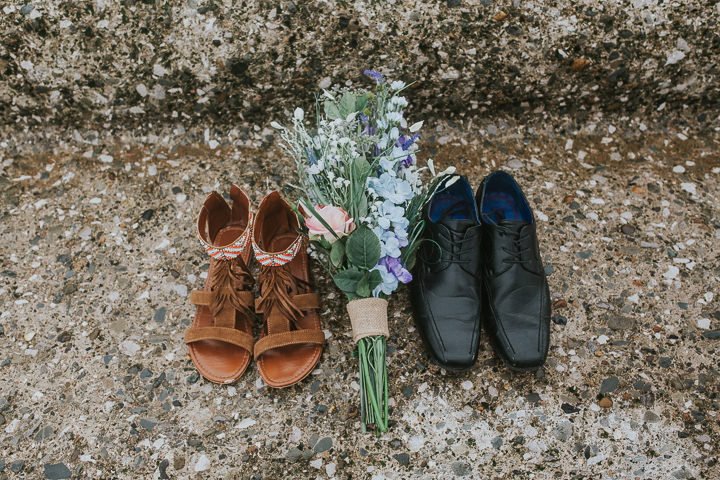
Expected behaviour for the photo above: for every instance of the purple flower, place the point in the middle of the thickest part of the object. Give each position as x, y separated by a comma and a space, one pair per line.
395, 267
311, 156
375, 75
405, 142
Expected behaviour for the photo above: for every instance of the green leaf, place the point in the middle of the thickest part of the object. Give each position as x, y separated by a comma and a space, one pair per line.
337, 252
374, 280
347, 104
347, 280
362, 167
363, 248
362, 207
363, 288
410, 262
361, 102
331, 110
324, 243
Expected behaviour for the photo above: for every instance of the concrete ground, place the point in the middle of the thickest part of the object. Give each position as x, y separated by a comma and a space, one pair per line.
97, 256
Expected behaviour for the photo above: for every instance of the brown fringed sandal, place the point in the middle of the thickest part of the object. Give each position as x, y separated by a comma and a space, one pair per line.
220, 338
291, 341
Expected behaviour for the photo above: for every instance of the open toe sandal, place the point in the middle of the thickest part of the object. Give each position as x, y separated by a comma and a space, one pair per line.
220, 338
291, 341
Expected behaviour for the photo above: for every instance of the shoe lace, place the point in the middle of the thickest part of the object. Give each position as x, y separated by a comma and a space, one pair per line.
517, 253
454, 253
230, 277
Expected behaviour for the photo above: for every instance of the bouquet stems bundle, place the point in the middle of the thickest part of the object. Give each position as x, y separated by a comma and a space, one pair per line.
361, 199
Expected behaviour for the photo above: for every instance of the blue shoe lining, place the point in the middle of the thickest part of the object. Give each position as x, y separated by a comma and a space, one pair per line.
455, 202
503, 200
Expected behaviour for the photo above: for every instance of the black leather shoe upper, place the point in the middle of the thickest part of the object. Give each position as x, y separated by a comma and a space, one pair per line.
517, 298
445, 296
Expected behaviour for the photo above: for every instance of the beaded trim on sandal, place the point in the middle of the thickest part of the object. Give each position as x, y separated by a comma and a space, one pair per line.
277, 259
231, 251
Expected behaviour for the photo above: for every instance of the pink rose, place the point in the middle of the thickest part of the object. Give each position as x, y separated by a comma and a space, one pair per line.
335, 217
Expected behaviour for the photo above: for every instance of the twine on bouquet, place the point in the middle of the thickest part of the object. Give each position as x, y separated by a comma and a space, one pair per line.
368, 317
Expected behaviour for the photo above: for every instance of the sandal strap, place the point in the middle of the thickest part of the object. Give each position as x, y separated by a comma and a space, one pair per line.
205, 297
303, 301
277, 259
223, 334
293, 337
230, 251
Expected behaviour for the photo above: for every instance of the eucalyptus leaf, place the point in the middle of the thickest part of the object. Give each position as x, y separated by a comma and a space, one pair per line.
337, 252
331, 110
347, 280
347, 104
363, 248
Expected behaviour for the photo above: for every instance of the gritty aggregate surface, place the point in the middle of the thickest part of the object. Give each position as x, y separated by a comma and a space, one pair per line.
130, 62
117, 119
98, 258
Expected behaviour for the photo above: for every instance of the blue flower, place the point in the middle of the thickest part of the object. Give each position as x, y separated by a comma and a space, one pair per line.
388, 164
389, 214
391, 188
389, 242
389, 281
375, 75
402, 235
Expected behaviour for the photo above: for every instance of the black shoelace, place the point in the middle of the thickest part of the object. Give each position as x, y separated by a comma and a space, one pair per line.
517, 253
454, 254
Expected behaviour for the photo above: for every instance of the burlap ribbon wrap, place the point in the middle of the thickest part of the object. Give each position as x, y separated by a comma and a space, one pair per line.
368, 317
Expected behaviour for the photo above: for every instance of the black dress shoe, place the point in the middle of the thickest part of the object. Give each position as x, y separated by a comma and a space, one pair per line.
516, 294
445, 291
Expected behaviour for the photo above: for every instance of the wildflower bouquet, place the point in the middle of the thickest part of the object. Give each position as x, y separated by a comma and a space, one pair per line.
361, 199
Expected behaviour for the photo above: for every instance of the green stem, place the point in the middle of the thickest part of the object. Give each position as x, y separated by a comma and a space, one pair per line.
373, 385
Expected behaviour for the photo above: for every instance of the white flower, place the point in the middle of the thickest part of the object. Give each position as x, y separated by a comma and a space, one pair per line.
394, 133
395, 117
399, 102
397, 85
299, 114
382, 143
416, 126
449, 171
431, 166
276, 125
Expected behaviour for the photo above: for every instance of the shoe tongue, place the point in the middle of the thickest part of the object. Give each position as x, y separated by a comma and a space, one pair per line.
458, 226
514, 225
